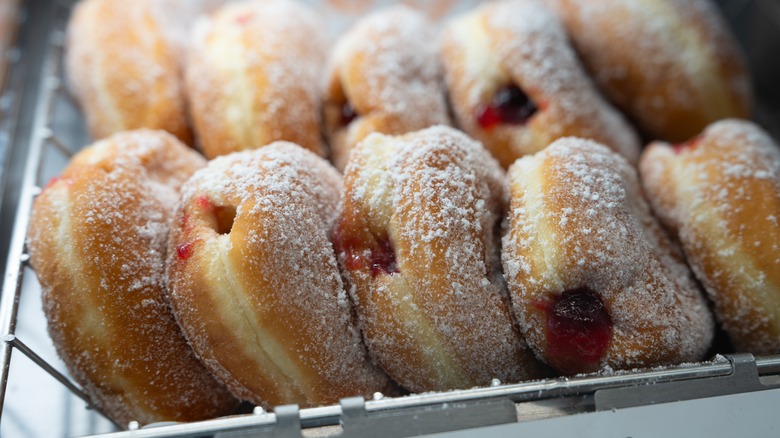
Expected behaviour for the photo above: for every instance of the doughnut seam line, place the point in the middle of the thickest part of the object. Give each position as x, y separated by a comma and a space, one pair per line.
109, 384
478, 59
534, 197
431, 347
226, 56
273, 356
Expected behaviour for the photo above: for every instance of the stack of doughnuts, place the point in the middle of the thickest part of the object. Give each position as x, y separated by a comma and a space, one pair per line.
254, 73
412, 261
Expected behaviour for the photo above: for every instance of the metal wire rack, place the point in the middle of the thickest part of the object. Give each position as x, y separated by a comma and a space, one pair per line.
58, 132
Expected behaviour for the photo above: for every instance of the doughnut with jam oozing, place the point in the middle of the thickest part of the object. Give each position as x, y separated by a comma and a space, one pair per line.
254, 281
594, 279
516, 85
671, 65
123, 68
383, 77
720, 194
418, 239
97, 242
252, 77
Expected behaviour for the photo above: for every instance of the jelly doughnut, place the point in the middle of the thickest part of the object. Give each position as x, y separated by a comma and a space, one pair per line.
594, 280
516, 85
720, 194
418, 239
383, 77
254, 281
97, 242
252, 77
123, 68
671, 65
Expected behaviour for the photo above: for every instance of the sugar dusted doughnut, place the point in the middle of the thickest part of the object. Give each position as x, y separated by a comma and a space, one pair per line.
97, 242
672, 65
516, 85
123, 68
252, 77
383, 77
418, 238
720, 194
593, 278
255, 284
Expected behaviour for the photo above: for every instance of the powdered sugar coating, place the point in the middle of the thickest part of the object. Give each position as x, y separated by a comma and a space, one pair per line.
252, 76
672, 65
578, 220
97, 241
386, 68
442, 320
521, 42
720, 194
123, 68
263, 303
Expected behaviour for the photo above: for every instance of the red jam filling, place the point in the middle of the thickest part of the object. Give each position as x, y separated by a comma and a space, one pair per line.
383, 258
578, 331
203, 202
185, 250
510, 105
345, 244
690, 144
377, 255
488, 118
348, 114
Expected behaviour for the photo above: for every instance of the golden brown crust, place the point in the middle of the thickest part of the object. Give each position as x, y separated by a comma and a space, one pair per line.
385, 68
255, 283
578, 222
672, 65
417, 236
124, 69
97, 242
720, 194
252, 77
489, 48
